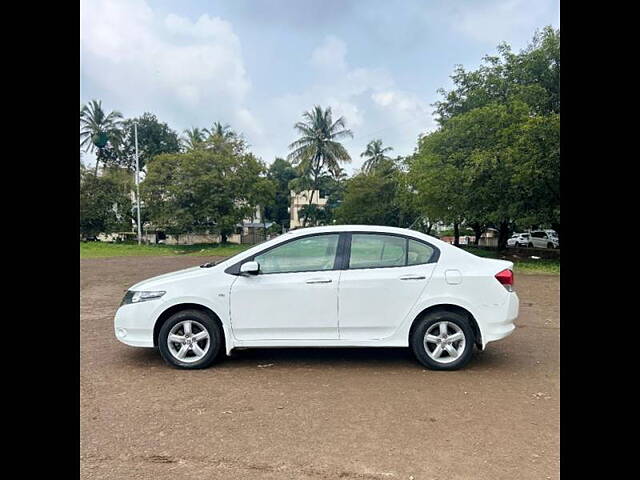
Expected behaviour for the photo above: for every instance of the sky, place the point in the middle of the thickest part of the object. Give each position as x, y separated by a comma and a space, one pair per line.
257, 65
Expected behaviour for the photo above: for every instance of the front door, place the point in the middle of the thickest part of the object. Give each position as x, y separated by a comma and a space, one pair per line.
293, 297
384, 279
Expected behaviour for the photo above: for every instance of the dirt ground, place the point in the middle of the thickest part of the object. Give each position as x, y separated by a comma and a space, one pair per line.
315, 413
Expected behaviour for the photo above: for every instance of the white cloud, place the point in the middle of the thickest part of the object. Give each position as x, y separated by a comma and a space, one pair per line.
372, 105
496, 21
192, 72
186, 72
331, 55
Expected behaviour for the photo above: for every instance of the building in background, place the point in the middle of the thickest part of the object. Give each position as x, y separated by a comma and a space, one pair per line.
300, 200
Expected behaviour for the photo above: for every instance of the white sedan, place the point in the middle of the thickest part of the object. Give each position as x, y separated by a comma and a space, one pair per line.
337, 286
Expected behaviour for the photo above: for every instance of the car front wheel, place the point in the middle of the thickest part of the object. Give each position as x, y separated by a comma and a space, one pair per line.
443, 340
190, 339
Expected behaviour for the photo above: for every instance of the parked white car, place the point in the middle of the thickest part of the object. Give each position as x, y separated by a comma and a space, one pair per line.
544, 239
519, 240
337, 286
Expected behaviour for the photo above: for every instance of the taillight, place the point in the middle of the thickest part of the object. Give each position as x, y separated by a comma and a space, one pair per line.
505, 277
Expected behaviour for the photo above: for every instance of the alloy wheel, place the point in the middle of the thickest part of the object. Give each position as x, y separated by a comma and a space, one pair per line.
188, 341
444, 342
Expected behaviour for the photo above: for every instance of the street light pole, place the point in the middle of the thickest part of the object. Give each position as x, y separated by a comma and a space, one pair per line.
135, 128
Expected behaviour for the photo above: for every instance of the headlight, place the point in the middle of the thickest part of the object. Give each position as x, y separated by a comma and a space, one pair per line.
137, 297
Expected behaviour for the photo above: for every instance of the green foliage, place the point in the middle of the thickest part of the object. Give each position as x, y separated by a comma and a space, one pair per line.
495, 159
318, 151
193, 138
99, 131
205, 190
154, 138
224, 132
281, 172
378, 198
375, 155
532, 77
104, 206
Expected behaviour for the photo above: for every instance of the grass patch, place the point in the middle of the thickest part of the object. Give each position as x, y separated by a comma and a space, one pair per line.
106, 249
520, 264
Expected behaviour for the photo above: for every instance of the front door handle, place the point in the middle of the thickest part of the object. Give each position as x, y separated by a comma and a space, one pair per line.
319, 280
412, 277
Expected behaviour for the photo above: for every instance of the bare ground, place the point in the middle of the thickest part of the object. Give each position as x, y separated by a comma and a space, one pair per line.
315, 413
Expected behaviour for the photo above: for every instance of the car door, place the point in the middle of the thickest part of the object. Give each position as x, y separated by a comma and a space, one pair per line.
539, 239
295, 294
384, 277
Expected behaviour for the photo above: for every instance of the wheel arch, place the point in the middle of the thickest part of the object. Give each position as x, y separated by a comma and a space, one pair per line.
168, 312
449, 307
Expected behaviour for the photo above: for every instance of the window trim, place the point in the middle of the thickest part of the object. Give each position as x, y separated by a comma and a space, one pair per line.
337, 261
435, 256
343, 252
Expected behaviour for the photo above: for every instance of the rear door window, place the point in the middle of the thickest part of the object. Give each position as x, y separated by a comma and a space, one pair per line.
380, 251
376, 251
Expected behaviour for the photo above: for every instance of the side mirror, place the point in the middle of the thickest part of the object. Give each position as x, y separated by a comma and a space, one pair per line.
250, 268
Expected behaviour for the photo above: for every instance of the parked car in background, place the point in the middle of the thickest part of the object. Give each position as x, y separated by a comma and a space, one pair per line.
544, 239
335, 286
519, 240
553, 234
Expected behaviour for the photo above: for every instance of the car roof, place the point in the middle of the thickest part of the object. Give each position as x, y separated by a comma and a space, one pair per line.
363, 228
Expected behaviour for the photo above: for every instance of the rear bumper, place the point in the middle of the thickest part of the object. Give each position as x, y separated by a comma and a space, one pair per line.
501, 325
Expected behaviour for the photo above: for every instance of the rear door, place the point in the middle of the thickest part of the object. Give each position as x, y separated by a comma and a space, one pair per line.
384, 276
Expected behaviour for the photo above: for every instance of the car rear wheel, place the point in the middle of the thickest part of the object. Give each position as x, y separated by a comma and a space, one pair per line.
443, 340
190, 339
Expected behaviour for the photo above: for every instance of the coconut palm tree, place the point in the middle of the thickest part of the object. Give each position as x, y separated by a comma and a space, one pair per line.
97, 128
318, 148
193, 138
375, 155
222, 131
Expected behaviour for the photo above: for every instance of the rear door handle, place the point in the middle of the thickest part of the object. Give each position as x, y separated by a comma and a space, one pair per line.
319, 280
412, 277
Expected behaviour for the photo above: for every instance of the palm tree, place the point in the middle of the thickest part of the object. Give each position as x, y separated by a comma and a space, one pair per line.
318, 148
193, 138
375, 155
222, 131
98, 128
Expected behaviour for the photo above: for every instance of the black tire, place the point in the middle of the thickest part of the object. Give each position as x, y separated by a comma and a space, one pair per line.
216, 338
549, 245
530, 245
417, 340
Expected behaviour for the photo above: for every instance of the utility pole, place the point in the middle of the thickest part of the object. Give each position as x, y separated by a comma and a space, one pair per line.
135, 128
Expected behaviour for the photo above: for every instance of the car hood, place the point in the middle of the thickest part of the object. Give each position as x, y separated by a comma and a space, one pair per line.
162, 280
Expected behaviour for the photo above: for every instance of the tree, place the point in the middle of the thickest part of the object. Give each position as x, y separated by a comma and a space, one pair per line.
193, 138
281, 172
532, 77
318, 150
220, 130
99, 130
104, 207
154, 138
495, 159
375, 155
205, 190
377, 198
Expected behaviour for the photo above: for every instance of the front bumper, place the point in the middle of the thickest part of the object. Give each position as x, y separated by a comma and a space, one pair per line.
133, 324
